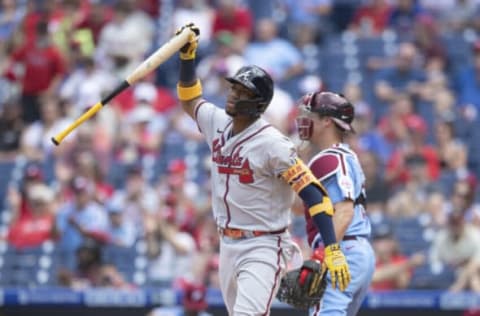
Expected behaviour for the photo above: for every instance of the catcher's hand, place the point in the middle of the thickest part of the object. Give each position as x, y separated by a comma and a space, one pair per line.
304, 287
337, 265
189, 50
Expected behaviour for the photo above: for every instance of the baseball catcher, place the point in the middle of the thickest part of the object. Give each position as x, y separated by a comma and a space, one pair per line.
303, 288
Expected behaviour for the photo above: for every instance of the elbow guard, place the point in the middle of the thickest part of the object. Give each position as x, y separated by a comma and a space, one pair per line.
306, 185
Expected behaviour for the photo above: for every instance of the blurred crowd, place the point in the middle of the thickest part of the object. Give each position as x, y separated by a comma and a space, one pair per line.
136, 175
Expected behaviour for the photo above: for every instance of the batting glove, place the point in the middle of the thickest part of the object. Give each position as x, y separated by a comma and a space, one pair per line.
189, 50
338, 267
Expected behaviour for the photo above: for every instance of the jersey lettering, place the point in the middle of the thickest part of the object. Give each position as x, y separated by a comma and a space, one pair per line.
232, 164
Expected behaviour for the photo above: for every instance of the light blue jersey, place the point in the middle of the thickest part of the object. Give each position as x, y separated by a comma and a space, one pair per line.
339, 170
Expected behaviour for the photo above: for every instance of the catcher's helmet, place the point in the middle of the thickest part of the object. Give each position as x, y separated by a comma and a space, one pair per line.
257, 81
329, 104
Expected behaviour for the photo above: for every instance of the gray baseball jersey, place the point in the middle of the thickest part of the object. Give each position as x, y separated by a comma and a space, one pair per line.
247, 190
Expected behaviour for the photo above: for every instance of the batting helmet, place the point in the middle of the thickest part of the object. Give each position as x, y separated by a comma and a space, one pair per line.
258, 81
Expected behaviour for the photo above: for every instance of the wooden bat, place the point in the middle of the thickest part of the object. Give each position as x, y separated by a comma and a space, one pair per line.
152, 62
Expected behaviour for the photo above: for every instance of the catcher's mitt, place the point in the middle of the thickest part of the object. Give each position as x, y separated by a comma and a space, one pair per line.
304, 287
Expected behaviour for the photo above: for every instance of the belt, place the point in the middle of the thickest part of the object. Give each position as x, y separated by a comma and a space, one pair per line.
352, 237
235, 233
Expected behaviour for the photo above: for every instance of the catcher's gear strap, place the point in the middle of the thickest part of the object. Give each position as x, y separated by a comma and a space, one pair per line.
189, 93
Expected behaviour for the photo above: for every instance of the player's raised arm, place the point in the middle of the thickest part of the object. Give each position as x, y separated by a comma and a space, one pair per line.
189, 88
306, 185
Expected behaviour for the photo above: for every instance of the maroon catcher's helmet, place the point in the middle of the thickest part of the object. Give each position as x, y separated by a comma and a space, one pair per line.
328, 104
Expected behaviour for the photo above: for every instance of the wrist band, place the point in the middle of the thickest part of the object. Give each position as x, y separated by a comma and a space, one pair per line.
189, 93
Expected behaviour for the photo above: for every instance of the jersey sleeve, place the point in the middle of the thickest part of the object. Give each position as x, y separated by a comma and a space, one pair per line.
334, 172
209, 118
281, 155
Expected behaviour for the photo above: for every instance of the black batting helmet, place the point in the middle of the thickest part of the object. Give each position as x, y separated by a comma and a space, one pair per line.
333, 105
257, 81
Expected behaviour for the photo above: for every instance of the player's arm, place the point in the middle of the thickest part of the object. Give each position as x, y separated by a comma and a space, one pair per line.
314, 195
342, 218
189, 88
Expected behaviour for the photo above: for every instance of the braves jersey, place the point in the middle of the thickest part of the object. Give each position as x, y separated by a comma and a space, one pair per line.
339, 170
247, 191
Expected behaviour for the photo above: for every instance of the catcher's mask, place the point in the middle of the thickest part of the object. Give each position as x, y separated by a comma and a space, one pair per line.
329, 104
258, 81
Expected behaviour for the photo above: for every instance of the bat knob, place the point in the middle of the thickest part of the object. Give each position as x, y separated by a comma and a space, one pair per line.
55, 141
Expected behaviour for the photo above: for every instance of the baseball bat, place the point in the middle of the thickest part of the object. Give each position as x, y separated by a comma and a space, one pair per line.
152, 62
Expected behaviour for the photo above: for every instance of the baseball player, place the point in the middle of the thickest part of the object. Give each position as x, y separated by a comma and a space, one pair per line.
324, 119
254, 169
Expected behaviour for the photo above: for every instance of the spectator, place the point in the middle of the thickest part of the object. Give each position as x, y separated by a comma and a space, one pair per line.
456, 168
224, 62
43, 71
415, 190
85, 86
80, 219
436, 208
86, 166
404, 76
32, 223
120, 231
141, 136
426, 37
159, 98
138, 199
10, 18
98, 15
404, 16
367, 137
184, 127
414, 145
264, 52
376, 188
278, 116
371, 19
124, 40
90, 270
457, 246
11, 129
467, 85
393, 271
459, 15
238, 20
170, 251
187, 11
179, 196
308, 15
36, 140
463, 200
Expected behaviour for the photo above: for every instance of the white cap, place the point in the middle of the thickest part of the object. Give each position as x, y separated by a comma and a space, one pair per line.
142, 113
40, 192
145, 91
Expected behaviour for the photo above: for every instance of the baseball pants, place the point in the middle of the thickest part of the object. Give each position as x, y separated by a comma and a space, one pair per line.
250, 271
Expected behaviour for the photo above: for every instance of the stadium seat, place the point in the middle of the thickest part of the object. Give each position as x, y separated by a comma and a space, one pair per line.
424, 278
409, 234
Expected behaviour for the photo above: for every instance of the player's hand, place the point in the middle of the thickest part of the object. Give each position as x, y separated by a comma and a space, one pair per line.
338, 267
189, 50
